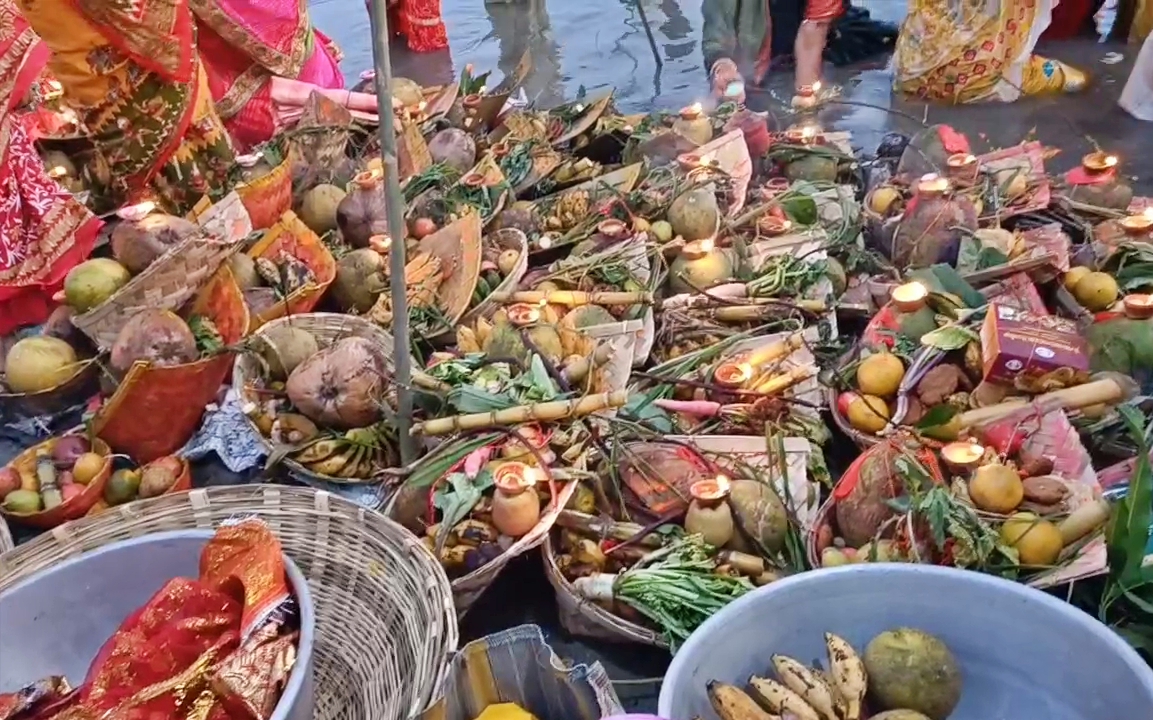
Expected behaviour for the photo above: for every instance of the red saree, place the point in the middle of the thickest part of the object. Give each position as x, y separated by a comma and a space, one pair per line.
419, 21
44, 231
203, 649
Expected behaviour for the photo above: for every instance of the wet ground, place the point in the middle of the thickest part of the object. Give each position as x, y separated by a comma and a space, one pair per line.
602, 43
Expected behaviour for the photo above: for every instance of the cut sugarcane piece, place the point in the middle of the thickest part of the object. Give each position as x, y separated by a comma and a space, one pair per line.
779, 382
776, 350
540, 412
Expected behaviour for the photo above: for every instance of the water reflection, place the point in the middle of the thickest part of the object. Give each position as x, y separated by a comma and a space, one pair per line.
521, 26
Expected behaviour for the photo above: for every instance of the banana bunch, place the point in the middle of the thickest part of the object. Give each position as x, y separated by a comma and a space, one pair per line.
525, 126
799, 691
422, 278
354, 455
568, 210
576, 170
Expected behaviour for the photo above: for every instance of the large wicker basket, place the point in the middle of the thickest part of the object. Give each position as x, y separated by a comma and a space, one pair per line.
267, 197
385, 623
327, 328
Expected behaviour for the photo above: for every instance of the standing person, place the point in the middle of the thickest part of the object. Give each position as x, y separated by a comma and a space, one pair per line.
249, 49
44, 230
738, 34
132, 72
419, 21
960, 52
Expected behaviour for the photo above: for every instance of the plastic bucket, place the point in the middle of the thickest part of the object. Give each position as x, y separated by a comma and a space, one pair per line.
1023, 653
56, 621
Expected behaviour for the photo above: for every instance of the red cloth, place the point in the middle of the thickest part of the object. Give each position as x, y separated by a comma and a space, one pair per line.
420, 22
44, 231
823, 10
1068, 18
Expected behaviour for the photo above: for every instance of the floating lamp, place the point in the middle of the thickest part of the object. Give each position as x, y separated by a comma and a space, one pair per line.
1137, 223
1139, 306
1099, 162
963, 456
731, 374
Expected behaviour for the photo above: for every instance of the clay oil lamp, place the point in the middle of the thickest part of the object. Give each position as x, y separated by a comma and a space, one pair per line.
471, 103
1099, 163
962, 457
500, 148
698, 249
772, 226
137, 212
1139, 306
932, 185
802, 134
962, 167
910, 297
380, 244
709, 514
613, 228
692, 123
515, 504
521, 314
368, 179
732, 375
806, 97
473, 179
1137, 223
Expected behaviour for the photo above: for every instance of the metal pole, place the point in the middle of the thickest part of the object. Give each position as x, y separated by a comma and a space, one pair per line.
649, 33
394, 202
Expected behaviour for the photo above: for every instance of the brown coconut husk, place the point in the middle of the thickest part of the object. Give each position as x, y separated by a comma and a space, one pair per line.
458, 247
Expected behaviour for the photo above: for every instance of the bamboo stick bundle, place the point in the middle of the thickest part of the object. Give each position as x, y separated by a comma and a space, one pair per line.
1108, 390
540, 412
573, 298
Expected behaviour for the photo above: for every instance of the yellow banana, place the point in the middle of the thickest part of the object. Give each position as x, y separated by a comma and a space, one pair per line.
733, 703
318, 451
805, 682
466, 340
780, 699
847, 671
333, 465
356, 464
483, 328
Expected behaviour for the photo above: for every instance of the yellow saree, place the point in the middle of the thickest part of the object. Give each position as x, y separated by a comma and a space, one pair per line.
966, 51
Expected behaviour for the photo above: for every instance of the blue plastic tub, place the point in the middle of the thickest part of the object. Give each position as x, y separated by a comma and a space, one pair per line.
1023, 654
55, 622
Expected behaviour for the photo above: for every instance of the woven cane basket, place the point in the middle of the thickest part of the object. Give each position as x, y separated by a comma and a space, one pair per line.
6, 541
167, 284
386, 628
327, 328
585, 618
506, 239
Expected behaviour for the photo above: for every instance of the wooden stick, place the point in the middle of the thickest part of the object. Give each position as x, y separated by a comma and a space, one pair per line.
573, 298
540, 412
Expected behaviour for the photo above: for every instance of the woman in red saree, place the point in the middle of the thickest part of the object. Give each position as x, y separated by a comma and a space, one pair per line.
419, 21
263, 59
217, 647
44, 231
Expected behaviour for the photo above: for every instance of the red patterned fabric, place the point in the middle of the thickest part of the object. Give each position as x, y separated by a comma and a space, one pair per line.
420, 21
823, 10
44, 231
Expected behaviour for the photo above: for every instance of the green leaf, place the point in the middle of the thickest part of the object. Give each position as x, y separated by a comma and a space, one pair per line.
801, 210
949, 337
1128, 530
641, 409
937, 416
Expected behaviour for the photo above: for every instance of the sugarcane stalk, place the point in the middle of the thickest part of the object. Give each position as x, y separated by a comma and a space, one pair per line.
428, 382
593, 526
775, 350
574, 298
1107, 391
539, 412
780, 382
741, 313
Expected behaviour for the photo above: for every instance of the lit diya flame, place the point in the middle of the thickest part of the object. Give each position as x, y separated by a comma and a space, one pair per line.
697, 249
1099, 162
514, 477
691, 112
713, 490
578, 108
523, 313
932, 184
57, 172
1139, 306
804, 134
909, 297
139, 211
380, 243
732, 374
963, 455
420, 106
1138, 223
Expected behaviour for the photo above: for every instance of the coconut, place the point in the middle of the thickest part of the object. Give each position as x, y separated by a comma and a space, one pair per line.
40, 363
159, 337
516, 218
285, 347
136, 244
318, 207
92, 282
909, 669
362, 213
360, 280
759, 513
342, 386
407, 91
694, 214
453, 147
813, 168
691, 274
243, 270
